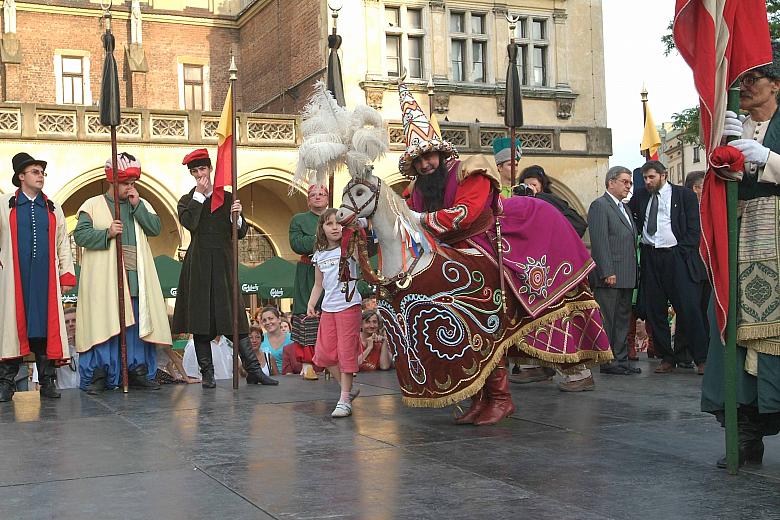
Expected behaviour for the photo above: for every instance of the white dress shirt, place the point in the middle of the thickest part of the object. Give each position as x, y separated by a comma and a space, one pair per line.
663, 237
621, 207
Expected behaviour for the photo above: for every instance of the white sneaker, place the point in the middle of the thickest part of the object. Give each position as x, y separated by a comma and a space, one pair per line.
354, 393
342, 410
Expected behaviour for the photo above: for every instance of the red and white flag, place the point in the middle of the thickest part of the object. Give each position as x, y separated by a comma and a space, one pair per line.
720, 40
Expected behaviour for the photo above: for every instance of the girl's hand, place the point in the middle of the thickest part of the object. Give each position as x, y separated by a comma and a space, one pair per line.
310, 310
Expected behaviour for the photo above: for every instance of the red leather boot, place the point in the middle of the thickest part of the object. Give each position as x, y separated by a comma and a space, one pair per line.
499, 400
478, 403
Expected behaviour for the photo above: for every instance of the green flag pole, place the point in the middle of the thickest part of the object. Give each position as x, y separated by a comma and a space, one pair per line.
730, 354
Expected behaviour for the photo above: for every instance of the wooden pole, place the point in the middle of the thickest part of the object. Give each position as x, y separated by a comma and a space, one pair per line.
237, 309
120, 279
730, 354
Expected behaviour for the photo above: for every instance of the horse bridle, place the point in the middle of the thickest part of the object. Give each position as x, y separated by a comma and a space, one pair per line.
352, 205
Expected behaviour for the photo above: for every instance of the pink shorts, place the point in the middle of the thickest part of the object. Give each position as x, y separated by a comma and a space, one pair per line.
338, 339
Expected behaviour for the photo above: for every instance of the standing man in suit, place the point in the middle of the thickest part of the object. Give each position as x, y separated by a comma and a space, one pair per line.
671, 269
613, 247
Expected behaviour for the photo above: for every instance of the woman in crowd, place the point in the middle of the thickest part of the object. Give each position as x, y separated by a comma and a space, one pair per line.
275, 338
375, 354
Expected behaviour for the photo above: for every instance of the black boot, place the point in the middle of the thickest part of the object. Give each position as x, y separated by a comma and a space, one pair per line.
254, 374
46, 377
98, 384
205, 362
750, 441
8, 371
138, 378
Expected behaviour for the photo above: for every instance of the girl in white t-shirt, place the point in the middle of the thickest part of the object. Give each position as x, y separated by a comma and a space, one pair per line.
338, 336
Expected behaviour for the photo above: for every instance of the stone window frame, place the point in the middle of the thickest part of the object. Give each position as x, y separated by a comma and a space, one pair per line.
404, 34
86, 87
524, 39
469, 38
181, 61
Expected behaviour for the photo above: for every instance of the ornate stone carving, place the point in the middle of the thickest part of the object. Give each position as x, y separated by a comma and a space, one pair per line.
396, 135
9, 16
169, 127
486, 137
536, 140
436, 5
501, 104
560, 16
54, 123
441, 103
10, 121
564, 107
129, 125
374, 97
456, 137
268, 130
136, 58
10, 49
135, 22
208, 128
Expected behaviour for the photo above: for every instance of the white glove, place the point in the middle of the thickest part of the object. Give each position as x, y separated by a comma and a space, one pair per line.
362, 222
733, 124
417, 216
753, 151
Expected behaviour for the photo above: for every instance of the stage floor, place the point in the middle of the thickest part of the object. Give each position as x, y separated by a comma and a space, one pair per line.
636, 447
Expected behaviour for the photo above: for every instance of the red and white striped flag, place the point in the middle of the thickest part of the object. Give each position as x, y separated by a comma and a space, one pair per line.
720, 40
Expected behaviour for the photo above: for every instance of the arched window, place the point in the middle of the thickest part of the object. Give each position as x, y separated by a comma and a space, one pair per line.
255, 248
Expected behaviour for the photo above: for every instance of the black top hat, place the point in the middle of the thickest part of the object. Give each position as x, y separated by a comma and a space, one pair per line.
20, 162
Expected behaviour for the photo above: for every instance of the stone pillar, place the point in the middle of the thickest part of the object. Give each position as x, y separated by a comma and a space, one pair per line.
439, 43
501, 29
137, 67
375, 40
561, 50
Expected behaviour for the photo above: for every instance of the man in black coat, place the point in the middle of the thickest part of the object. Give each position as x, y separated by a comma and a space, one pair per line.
204, 301
667, 217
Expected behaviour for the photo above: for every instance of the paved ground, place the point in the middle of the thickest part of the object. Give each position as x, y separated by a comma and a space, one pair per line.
637, 447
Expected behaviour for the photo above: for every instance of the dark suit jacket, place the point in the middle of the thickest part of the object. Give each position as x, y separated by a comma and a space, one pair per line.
686, 225
613, 244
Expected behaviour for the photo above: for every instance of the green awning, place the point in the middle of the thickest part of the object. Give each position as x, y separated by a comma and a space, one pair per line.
168, 271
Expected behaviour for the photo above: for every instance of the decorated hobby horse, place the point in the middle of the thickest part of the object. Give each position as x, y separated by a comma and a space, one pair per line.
448, 321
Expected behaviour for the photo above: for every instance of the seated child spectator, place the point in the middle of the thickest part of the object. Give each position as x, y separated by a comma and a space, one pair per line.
375, 354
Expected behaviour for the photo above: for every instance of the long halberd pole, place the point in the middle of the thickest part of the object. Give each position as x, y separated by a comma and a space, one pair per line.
646, 153
730, 353
234, 183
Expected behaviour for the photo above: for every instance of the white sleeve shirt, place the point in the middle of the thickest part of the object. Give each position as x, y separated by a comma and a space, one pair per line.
199, 197
663, 237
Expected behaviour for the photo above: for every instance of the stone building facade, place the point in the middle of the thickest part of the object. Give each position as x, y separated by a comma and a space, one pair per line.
173, 58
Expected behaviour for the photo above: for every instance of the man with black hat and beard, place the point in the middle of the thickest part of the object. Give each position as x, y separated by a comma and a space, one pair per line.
758, 299
36, 267
204, 300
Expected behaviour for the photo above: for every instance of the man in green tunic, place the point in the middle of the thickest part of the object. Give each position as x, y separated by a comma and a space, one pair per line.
97, 323
758, 265
303, 232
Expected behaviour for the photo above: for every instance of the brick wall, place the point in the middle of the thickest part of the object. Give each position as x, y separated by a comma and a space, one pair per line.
279, 52
281, 46
162, 43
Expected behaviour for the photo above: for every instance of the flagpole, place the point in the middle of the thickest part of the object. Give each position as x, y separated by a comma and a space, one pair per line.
110, 116
335, 83
730, 353
643, 95
512, 127
234, 183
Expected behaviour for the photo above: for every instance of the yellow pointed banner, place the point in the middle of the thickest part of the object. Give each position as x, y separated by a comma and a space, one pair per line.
651, 141
224, 168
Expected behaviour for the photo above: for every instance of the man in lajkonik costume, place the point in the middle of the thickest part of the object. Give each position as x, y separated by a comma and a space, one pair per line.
204, 299
457, 202
303, 232
758, 298
97, 313
36, 267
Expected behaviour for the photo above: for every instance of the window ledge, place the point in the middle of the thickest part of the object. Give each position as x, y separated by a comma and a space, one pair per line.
446, 86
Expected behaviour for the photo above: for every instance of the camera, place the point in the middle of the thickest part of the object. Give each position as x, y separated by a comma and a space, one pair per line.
522, 190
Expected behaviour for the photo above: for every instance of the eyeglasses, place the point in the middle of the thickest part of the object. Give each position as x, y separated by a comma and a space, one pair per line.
36, 172
627, 182
749, 81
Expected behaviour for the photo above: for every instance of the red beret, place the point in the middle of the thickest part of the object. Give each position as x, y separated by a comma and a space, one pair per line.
199, 154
